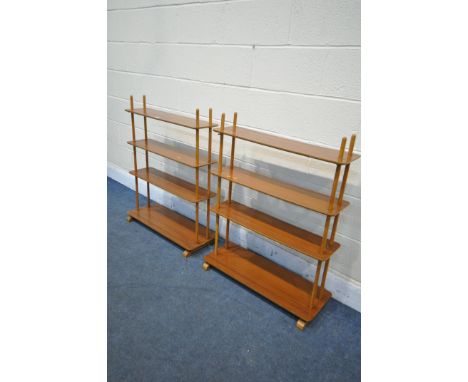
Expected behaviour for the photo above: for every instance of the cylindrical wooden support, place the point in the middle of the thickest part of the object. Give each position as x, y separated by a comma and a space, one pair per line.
233, 148
135, 166
333, 232
346, 172
324, 277
148, 200
208, 186
340, 200
325, 235
343, 186
220, 160
218, 191
197, 170
231, 166
337, 173
316, 280
216, 235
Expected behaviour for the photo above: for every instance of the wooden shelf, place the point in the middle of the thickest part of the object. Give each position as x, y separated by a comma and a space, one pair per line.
172, 225
277, 230
182, 155
300, 196
174, 185
283, 287
187, 233
296, 147
173, 118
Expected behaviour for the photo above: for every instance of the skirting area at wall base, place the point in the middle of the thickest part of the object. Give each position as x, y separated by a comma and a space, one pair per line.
343, 289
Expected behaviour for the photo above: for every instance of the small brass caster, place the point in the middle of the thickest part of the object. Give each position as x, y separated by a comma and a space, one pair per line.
129, 219
300, 324
206, 266
186, 253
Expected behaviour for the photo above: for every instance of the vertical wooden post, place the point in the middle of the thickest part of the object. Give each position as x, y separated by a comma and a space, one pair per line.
333, 232
327, 222
332, 196
208, 201
325, 235
343, 185
345, 175
218, 192
197, 171
322, 250
340, 201
231, 166
316, 280
135, 167
324, 277
337, 173
148, 200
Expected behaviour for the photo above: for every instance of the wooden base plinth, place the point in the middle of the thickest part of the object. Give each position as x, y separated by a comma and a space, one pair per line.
174, 226
285, 288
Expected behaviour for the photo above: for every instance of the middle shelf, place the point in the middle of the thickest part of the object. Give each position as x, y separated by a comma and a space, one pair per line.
182, 155
277, 230
173, 184
293, 194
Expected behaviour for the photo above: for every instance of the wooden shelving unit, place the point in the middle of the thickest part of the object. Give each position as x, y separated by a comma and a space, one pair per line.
299, 296
176, 227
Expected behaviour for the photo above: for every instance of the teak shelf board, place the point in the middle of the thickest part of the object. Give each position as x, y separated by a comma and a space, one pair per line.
172, 225
300, 196
277, 230
296, 147
173, 118
173, 184
280, 285
182, 155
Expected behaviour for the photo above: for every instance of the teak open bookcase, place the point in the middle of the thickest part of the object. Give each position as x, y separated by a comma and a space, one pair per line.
302, 298
174, 226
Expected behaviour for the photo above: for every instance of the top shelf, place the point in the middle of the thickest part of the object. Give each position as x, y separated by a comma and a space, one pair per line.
290, 145
175, 119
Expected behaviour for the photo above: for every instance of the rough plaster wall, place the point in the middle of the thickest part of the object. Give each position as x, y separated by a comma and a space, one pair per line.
290, 67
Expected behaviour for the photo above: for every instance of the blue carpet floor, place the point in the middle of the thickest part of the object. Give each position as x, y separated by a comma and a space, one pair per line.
168, 320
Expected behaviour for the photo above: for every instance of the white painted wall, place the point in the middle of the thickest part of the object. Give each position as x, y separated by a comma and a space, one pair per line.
290, 67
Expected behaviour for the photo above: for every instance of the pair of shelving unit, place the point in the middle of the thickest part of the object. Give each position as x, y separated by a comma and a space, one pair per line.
292, 292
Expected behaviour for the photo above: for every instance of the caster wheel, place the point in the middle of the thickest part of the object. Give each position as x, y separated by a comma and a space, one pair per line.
129, 219
206, 266
186, 254
300, 324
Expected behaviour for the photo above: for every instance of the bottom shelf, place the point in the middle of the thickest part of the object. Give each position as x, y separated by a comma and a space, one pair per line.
285, 288
174, 226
